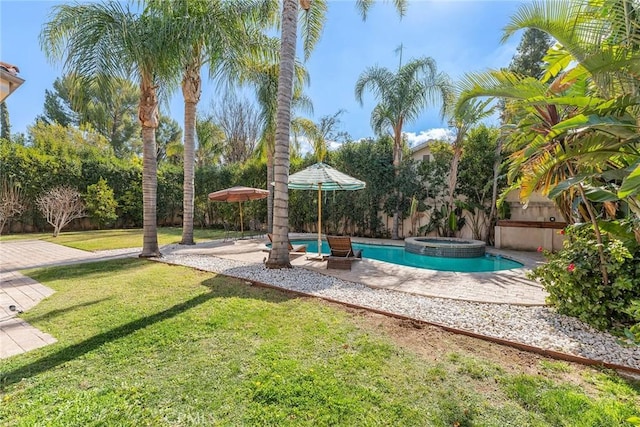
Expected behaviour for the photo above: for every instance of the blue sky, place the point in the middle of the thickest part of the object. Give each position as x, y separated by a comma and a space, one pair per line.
462, 36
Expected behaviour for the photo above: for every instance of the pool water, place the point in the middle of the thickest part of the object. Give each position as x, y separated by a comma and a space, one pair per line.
397, 255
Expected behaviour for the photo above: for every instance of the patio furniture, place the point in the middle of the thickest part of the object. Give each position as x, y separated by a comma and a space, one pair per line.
342, 253
341, 247
300, 249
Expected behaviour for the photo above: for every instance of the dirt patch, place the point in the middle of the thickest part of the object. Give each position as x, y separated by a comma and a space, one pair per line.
437, 345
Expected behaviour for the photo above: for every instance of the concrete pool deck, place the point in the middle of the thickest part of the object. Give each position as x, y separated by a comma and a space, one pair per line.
496, 287
17, 336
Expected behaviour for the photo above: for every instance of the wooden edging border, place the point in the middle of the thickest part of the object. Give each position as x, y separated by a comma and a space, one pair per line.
520, 346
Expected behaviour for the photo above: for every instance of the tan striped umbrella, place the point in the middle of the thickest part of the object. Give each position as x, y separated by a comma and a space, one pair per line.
239, 194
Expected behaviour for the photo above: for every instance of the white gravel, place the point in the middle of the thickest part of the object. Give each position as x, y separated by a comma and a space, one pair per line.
536, 326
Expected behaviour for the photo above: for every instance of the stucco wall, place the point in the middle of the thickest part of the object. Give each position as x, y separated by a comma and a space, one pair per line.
528, 238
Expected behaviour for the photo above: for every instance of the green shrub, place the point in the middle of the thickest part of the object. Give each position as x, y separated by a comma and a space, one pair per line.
100, 203
573, 279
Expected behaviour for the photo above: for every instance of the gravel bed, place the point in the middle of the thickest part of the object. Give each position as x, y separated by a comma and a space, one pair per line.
536, 326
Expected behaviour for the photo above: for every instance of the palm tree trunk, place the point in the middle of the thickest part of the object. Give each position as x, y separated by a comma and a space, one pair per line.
397, 160
453, 174
271, 189
191, 90
148, 115
279, 255
493, 214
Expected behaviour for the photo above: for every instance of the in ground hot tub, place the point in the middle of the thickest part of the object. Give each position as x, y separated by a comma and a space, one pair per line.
445, 247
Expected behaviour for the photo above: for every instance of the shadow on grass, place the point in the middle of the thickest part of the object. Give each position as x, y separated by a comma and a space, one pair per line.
60, 311
74, 271
72, 352
218, 287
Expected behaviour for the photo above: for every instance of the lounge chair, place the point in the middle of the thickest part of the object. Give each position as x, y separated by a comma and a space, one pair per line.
299, 249
342, 252
341, 247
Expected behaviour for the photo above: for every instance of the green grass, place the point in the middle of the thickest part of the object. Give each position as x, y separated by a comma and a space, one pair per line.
118, 239
144, 343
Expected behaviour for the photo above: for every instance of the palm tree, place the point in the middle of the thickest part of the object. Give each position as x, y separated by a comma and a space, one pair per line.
311, 31
279, 254
264, 77
462, 119
101, 40
402, 96
217, 34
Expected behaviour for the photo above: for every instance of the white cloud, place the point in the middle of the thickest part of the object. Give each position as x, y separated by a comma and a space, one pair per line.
333, 145
425, 135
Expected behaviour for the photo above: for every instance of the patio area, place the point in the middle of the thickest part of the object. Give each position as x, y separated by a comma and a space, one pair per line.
501, 287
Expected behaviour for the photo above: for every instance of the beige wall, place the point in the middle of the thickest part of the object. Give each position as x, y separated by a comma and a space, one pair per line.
528, 239
539, 208
421, 152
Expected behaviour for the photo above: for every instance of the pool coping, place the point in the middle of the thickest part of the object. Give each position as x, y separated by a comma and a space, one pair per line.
510, 287
528, 260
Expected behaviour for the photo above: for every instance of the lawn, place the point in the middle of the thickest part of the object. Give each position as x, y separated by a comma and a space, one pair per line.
145, 343
118, 239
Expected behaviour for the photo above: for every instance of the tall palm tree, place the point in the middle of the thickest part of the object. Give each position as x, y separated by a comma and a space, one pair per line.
101, 40
311, 30
462, 119
214, 33
279, 254
402, 96
264, 76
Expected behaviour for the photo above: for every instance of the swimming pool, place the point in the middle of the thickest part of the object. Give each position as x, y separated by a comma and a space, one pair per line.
397, 255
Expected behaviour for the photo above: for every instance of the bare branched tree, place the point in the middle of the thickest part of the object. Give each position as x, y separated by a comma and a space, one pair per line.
60, 206
11, 202
239, 119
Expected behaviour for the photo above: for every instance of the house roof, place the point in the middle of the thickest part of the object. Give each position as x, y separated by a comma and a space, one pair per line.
10, 68
9, 79
423, 145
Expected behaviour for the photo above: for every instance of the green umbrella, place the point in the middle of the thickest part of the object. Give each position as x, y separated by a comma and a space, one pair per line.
322, 177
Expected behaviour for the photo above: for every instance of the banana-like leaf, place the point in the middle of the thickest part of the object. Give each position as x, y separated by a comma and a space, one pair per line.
619, 231
558, 60
565, 185
611, 125
453, 221
631, 183
574, 101
600, 194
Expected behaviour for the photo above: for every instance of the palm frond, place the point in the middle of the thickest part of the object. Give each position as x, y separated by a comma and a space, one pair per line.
311, 25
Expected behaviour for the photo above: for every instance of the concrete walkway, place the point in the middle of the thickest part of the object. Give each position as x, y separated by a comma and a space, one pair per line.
19, 293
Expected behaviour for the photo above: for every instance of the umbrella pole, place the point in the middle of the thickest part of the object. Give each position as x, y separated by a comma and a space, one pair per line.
319, 220
241, 226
